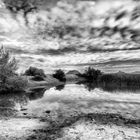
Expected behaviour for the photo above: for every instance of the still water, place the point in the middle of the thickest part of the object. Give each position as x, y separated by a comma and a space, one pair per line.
73, 97
88, 110
69, 98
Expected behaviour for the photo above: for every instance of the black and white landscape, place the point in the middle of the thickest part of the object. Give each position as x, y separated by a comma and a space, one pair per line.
69, 70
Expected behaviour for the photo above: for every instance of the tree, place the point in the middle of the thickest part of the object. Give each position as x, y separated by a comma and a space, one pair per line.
60, 75
32, 71
91, 74
8, 65
9, 80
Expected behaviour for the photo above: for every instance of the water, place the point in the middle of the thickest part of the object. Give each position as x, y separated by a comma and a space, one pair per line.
27, 111
79, 110
71, 98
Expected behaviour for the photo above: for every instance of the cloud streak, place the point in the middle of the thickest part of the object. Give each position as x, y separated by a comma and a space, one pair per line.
72, 35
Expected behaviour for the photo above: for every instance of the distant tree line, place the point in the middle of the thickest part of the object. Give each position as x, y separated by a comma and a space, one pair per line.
110, 82
10, 81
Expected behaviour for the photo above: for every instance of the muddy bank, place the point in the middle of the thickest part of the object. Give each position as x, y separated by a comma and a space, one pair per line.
19, 128
75, 126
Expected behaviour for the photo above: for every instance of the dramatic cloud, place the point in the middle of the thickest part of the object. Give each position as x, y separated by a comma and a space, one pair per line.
97, 33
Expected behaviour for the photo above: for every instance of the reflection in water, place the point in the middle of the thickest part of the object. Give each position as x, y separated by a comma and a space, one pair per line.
60, 87
74, 105
111, 87
37, 93
10, 103
89, 86
77, 97
114, 88
13, 102
84, 96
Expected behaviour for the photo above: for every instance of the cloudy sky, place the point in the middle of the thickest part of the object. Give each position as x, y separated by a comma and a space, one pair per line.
45, 42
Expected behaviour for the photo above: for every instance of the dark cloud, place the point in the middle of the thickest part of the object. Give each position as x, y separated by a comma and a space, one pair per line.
56, 52
94, 50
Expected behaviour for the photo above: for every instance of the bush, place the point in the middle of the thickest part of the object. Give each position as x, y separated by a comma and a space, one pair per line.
15, 83
38, 78
32, 71
9, 80
91, 75
60, 75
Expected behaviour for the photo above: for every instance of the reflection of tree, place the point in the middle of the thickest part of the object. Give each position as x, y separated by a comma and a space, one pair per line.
8, 103
111, 82
90, 86
21, 98
7, 112
111, 86
37, 93
59, 87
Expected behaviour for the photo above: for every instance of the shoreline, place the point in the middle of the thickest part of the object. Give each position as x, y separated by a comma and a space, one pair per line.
118, 81
58, 124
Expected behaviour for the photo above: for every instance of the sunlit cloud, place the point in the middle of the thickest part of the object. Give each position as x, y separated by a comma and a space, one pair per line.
48, 49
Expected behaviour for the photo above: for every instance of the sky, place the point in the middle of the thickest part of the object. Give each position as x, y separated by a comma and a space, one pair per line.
39, 44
